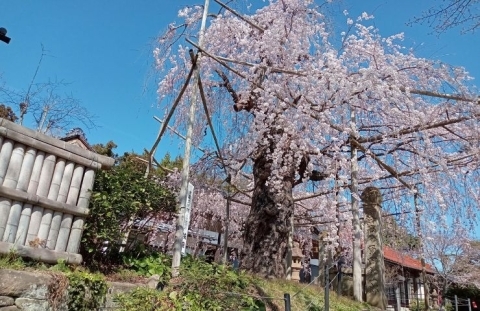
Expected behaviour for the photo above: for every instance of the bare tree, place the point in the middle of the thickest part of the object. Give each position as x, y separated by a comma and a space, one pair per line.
448, 249
52, 110
450, 14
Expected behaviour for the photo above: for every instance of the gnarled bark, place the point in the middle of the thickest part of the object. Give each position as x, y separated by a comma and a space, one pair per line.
268, 225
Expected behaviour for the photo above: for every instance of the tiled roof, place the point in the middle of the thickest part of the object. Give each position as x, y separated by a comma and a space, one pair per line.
404, 260
75, 139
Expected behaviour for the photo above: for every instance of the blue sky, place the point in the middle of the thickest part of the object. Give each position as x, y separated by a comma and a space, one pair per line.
104, 49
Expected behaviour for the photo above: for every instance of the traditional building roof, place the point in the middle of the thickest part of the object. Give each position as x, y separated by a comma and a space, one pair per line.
406, 261
76, 136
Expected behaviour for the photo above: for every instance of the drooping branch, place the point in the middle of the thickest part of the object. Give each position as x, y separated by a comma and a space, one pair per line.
414, 129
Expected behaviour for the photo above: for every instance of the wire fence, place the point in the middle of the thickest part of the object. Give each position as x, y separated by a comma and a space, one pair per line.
402, 301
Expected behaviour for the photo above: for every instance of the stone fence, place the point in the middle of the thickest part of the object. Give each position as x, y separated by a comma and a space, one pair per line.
31, 291
45, 187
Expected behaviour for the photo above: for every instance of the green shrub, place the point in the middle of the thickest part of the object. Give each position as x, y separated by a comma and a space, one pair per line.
119, 197
156, 263
11, 261
202, 286
144, 299
86, 291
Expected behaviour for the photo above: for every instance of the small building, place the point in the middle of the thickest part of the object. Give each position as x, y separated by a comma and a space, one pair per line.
76, 137
404, 283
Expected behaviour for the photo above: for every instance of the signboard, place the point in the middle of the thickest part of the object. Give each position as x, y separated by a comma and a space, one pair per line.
186, 219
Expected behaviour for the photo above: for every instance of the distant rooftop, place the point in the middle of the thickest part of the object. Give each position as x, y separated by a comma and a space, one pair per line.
76, 136
404, 260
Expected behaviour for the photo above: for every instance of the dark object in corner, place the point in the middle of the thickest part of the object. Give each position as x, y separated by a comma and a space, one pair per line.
3, 35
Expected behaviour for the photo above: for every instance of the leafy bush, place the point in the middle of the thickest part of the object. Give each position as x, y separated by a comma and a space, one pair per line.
156, 263
119, 197
202, 286
144, 299
86, 291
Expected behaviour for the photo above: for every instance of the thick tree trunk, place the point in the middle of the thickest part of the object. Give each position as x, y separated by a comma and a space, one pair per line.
268, 225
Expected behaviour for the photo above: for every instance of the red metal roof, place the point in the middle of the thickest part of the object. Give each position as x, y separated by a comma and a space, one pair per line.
404, 260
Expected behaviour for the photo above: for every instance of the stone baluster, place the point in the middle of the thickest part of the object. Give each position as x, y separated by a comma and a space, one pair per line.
5, 154
375, 266
83, 200
52, 195
62, 197
14, 166
18, 175
24, 222
42, 190
72, 199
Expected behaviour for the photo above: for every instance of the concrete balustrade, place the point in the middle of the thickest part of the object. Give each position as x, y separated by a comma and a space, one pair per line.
77, 226
67, 219
22, 185
17, 176
42, 191
45, 186
22, 230
62, 198
5, 203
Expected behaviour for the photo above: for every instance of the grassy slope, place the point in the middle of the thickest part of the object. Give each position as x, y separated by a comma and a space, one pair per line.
271, 292
304, 297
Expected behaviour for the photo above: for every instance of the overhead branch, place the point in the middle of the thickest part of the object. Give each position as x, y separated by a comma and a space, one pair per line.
314, 195
230, 60
414, 129
382, 164
240, 16
228, 85
440, 95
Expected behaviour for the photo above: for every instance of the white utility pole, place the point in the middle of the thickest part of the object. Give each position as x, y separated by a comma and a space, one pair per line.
357, 232
182, 198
